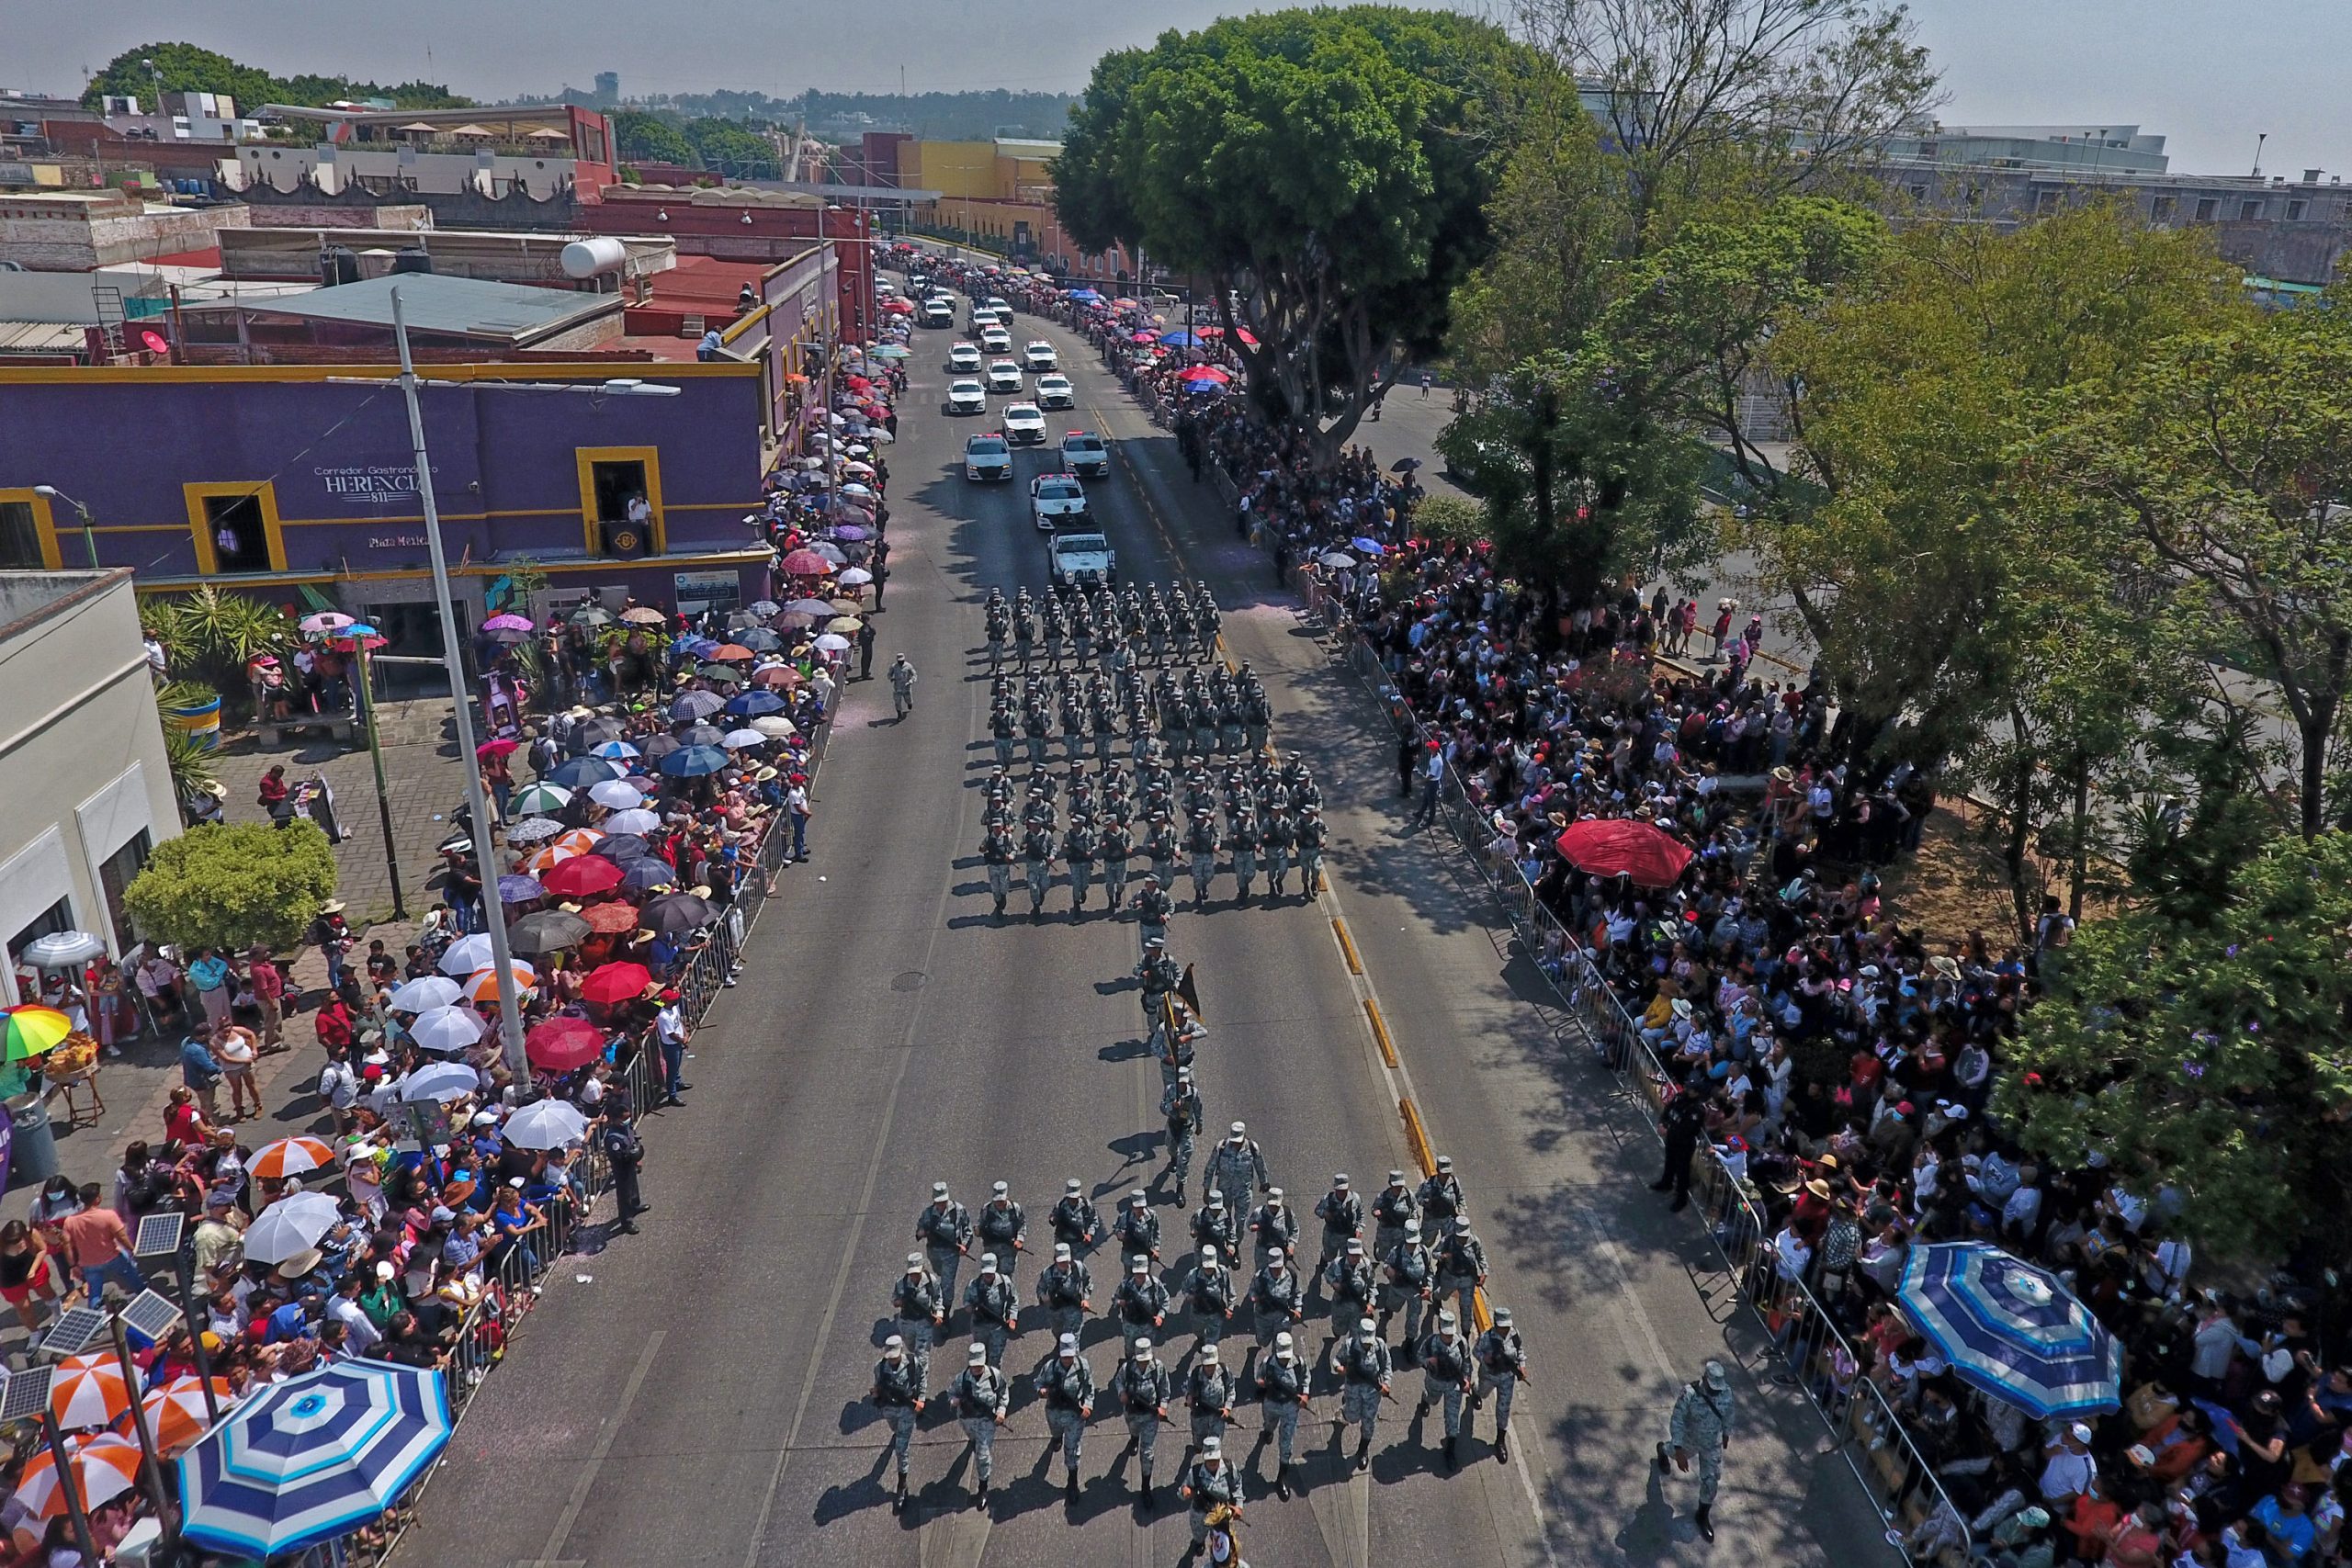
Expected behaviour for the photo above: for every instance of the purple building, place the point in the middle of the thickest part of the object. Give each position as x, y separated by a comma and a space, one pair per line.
299, 482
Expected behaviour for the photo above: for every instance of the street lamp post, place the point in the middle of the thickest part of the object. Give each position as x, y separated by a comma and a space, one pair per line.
89, 537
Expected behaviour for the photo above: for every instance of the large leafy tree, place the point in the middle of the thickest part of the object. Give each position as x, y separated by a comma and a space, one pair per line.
652, 138
184, 68
1326, 172
220, 886
2202, 1050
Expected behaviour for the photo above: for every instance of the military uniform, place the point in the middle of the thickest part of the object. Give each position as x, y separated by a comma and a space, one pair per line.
1341, 1212
998, 851
1391, 1207
1273, 1301
897, 1394
996, 1310
1361, 1362
1074, 1221
1065, 1383
1208, 1291
1275, 1226
1140, 1303
1161, 845
1215, 1224
1034, 730
1236, 1168
1348, 1279
1002, 1227
1208, 1398
1176, 1049
1143, 1387
1441, 1202
1461, 1262
1244, 841
921, 1310
1180, 1106
1137, 1230
1407, 1271
1004, 728
1200, 844
1037, 853
1282, 1399
1210, 1484
1153, 906
1064, 1290
1282, 837
981, 1397
1700, 1426
944, 1229
1501, 1362
1078, 853
1444, 1357
1311, 835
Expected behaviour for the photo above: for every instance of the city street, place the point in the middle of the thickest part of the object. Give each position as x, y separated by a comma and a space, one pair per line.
696, 1394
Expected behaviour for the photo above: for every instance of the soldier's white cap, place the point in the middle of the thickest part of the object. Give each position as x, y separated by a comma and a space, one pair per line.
1216, 1197
1212, 1447
1340, 1179
1395, 1179
1143, 1350
1138, 1264
1001, 1189
1365, 1325
1139, 1199
1154, 942
1073, 1187
1183, 1075
1282, 1341
1502, 1317
977, 1354
1238, 1130
1355, 1247
914, 1262
1208, 1252
1061, 1252
1274, 1196
988, 1261
1412, 1227
1069, 1345
1445, 1162
894, 1343
938, 1191
1445, 1318
1208, 1354
1274, 1255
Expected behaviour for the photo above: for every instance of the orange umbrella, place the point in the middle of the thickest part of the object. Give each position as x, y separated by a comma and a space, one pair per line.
88, 1390
578, 841
483, 986
176, 1414
290, 1156
104, 1469
728, 653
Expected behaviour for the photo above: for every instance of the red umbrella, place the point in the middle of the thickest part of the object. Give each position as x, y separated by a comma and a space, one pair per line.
611, 984
581, 876
805, 563
499, 747
1209, 373
563, 1043
1620, 846
610, 918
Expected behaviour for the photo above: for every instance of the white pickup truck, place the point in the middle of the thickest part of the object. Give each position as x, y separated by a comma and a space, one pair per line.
1083, 561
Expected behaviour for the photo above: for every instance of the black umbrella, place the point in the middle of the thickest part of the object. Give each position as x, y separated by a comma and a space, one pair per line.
591, 733
622, 848
657, 747
674, 914
1404, 465
550, 931
700, 734
648, 873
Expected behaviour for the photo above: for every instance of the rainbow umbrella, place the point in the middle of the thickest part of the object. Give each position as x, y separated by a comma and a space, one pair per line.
31, 1030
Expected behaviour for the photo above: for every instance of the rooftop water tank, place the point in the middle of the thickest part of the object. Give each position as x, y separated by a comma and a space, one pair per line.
587, 258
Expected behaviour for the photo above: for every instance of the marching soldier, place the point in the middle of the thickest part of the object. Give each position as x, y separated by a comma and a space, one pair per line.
1065, 1290
1461, 1262
1244, 840
1078, 851
981, 1397
1209, 1290
1081, 633
1230, 726
1000, 622
1274, 1298
997, 851
996, 1310
1501, 1361
1137, 1230
1034, 728
1024, 631
1207, 617
1003, 1228
1444, 1357
1238, 1166
1055, 628
1118, 846
1176, 1045
1140, 1303
1142, 1385
944, 1229
1406, 1272
1258, 718
1341, 1212
1153, 906
1350, 1279
1441, 1202
1159, 978
1282, 1399
1210, 1486
921, 1312
1361, 1362
1160, 843
1204, 724
1311, 834
1215, 1224
1074, 1220
1176, 722
1208, 1399
1700, 1427
1391, 1207
1282, 837
1180, 1106
1003, 726
1037, 853
1201, 844
1075, 729
899, 1394
1066, 1385
1274, 1225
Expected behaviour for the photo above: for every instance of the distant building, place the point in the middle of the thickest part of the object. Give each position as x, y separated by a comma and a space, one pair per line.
608, 88
73, 231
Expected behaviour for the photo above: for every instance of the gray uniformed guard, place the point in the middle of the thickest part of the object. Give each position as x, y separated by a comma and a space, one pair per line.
1180, 1107
1215, 1224
1275, 1226
897, 1394
1157, 976
1341, 1212
1143, 1387
944, 1229
1274, 1303
1208, 1399
1074, 1220
1210, 1484
1441, 1201
1003, 728
1361, 1362
1079, 845
1034, 729
1460, 1267
995, 1308
1237, 1167
1118, 847
1209, 1292
1066, 1290
1444, 1357
981, 1397
1244, 839
1200, 844
1153, 906
1037, 855
1137, 1230
1140, 1303
1003, 1228
1407, 1271
1391, 1207
1160, 843
1501, 1361
1349, 1280
1698, 1428
922, 1311
1282, 1399
1067, 1386
1312, 834
1282, 838
998, 851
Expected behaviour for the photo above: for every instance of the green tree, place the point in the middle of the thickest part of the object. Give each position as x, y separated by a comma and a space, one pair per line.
220, 886
731, 149
179, 68
2209, 1059
652, 138
1326, 169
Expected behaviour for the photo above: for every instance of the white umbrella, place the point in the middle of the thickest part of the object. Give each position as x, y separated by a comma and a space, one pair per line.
442, 1080
775, 725
446, 1029
855, 489
546, 1124
614, 794
531, 830
833, 642
467, 954
61, 949
744, 739
636, 820
424, 993
1338, 560
856, 577
290, 1225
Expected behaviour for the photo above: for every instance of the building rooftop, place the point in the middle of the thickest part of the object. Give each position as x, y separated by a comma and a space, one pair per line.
28, 598
467, 306
61, 298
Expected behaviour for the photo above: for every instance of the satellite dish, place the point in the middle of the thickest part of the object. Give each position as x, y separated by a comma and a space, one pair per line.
154, 341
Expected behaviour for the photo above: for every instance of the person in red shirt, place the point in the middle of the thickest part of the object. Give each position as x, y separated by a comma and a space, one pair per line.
273, 788
99, 1246
267, 983
184, 1122
333, 1024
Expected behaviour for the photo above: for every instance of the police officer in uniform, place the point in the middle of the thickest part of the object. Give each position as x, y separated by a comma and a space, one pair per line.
1066, 1385
1391, 1207
1180, 1106
997, 850
1361, 1362
944, 1229
1143, 1387
1037, 855
1444, 1357
1074, 1220
1407, 1273
1461, 1260
1237, 1167
1210, 1484
1501, 1361
1065, 1290
921, 1311
996, 1310
1002, 1227
1078, 852
981, 1397
899, 1394
1282, 1399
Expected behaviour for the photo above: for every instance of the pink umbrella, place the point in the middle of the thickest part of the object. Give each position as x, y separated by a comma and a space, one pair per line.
805, 563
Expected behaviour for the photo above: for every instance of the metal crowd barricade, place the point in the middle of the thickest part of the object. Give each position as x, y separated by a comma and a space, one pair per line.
1816, 1358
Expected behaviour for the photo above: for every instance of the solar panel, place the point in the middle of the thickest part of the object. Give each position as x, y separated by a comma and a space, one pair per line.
150, 1318
25, 1394
75, 1330
159, 1234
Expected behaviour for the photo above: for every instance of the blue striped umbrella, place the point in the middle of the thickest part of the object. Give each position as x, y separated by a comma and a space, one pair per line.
2012, 1329
312, 1457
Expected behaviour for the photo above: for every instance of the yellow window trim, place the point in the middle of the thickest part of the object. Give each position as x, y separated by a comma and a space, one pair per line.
44, 522
587, 458
207, 559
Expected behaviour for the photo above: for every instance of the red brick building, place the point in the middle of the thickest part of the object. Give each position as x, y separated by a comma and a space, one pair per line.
746, 226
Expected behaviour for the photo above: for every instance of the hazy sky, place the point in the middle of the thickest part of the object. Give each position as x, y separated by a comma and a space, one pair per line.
2207, 74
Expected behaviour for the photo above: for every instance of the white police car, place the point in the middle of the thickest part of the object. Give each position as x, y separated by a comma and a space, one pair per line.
966, 397
1086, 455
964, 359
1055, 391
1040, 355
987, 457
1023, 424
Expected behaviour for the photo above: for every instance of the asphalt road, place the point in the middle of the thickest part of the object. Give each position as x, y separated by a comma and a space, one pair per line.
695, 1394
